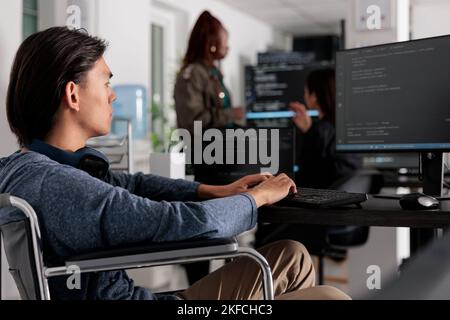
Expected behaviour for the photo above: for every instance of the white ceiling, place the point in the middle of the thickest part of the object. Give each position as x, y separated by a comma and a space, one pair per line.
297, 17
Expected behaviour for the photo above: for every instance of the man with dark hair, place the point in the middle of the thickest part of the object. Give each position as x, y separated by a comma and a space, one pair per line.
58, 97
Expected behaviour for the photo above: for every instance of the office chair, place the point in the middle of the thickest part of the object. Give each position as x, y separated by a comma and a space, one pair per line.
327, 241
24, 252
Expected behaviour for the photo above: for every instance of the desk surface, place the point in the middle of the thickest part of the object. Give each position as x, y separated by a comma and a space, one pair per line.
374, 212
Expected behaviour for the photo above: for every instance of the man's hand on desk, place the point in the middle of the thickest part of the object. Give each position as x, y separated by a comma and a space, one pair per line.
273, 190
240, 186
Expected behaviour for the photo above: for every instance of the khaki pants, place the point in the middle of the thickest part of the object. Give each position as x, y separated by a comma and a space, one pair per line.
292, 270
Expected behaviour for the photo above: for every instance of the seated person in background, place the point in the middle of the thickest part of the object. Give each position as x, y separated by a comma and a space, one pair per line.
59, 96
319, 164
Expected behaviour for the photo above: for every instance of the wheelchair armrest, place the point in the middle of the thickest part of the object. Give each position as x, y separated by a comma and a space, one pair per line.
152, 253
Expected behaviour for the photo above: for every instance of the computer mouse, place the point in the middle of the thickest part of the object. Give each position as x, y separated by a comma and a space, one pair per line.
418, 201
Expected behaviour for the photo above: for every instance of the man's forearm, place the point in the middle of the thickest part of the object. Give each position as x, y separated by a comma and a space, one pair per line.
205, 192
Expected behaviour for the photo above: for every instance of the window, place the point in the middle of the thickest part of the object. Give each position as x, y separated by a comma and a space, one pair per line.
164, 68
30, 18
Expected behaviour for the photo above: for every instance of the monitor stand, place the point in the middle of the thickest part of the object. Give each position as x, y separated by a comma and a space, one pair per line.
433, 173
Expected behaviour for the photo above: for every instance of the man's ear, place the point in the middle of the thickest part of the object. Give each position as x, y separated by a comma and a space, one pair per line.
71, 97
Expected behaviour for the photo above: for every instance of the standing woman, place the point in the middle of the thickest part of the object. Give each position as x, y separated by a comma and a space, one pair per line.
200, 93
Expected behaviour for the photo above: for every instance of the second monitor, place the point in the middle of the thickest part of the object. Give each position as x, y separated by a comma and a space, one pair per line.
270, 89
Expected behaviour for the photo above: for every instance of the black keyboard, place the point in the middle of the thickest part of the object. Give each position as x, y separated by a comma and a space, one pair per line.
321, 198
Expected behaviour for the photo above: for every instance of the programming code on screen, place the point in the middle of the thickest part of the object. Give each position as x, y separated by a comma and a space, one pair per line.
394, 97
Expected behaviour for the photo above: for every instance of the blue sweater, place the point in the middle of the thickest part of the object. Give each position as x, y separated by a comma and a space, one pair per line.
79, 214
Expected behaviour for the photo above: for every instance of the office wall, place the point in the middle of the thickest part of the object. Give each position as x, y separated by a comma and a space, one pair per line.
126, 26
51, 13
430, 18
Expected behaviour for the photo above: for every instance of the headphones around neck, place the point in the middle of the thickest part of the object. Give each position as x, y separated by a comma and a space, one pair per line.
87, 159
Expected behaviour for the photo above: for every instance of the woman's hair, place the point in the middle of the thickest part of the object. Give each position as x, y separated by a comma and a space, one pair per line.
204, 35
45, 62
322, 82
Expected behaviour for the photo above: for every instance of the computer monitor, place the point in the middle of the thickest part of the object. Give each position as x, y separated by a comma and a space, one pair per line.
220, 174
401, 162
270, 89
285, 58
396, 98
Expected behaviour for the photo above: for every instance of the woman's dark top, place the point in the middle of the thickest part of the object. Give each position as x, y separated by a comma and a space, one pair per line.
319, 164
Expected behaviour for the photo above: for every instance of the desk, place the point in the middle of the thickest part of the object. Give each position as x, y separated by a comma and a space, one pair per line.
374, 212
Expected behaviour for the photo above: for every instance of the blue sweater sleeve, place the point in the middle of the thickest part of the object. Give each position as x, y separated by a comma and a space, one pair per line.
155, 187
82, 213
